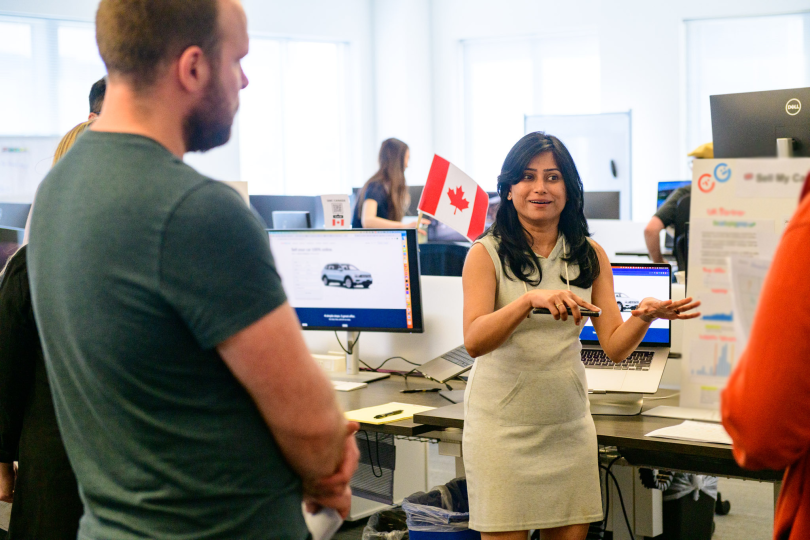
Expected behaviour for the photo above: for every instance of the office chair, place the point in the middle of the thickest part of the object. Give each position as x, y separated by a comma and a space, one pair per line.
681, 247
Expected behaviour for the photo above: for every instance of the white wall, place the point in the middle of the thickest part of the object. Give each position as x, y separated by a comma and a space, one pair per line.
348, 21
405, 67
642, 55
403, 89
78, 10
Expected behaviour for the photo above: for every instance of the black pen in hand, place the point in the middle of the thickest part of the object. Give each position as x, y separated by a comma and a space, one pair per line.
392, 413
420, 390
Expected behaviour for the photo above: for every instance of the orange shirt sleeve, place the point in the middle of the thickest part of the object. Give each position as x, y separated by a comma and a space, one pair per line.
766, 404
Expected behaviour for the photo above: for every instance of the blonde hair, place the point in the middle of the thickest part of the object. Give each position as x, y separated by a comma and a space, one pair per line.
68, 140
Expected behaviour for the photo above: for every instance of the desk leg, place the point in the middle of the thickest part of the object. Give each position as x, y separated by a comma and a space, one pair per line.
777, 487
460, 472
450, 445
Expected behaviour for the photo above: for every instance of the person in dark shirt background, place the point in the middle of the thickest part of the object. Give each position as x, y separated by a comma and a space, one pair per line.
382, 202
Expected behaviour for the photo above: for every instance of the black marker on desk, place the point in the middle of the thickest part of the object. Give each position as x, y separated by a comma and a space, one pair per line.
420, 390
392, 413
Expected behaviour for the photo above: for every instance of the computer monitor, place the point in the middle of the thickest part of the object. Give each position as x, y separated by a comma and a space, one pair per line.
601, 204
265, 205
665, 189
631, 284
416, 194
351, 281
284, 219
12, 228
748, 124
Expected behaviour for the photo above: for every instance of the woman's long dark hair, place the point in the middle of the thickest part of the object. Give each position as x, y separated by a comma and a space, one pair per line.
392, 177
515, 248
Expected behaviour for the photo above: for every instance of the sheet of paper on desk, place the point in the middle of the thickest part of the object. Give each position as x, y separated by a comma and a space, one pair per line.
366, 415
343, 386
694, 431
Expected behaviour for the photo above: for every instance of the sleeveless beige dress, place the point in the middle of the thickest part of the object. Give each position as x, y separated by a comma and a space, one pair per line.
529, 445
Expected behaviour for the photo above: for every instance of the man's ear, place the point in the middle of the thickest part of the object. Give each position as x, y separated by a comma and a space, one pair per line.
193, 70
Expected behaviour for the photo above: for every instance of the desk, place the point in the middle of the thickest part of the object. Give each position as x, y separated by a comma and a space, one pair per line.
387, 390
627, 433
410, 475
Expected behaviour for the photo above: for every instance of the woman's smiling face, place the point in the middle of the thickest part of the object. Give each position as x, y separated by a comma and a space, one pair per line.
540, 195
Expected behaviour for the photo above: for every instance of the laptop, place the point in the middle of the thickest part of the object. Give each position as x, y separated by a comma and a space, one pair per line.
447, 366
641, 372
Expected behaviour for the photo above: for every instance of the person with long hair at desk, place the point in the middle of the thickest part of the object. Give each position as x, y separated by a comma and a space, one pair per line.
529, 443
383, 200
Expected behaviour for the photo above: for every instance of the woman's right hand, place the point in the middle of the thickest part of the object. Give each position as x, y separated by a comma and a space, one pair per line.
418, 225
557, 302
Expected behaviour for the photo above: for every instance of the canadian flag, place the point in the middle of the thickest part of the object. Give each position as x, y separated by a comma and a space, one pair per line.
452, 197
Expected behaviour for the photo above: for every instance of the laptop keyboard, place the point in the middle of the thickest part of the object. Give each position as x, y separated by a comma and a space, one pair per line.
459, 357
597, 359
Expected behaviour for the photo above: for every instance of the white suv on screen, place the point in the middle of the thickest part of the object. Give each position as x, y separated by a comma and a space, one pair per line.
347, 275
625, 303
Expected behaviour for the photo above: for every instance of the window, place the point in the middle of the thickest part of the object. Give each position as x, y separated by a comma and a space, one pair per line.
47, 68
292, 124
505, 80
751, 54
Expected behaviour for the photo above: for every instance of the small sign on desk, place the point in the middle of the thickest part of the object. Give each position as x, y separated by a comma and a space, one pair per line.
336, 212
387, 413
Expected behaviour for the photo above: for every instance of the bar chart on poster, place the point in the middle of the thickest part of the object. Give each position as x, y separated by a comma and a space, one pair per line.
739, 209
712, 359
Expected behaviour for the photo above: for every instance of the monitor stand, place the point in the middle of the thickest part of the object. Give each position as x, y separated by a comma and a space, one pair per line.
353, 373
616, 404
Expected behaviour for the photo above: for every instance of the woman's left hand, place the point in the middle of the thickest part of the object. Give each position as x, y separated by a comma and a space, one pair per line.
650, 309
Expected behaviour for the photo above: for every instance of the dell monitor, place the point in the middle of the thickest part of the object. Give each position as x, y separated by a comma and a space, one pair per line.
351, 280
748, 125
13, 217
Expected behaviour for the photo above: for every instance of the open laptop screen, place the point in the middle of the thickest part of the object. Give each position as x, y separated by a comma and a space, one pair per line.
631, 284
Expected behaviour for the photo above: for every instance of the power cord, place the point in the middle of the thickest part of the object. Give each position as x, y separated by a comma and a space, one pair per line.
349, 344
352, 344
608, 472
368, 445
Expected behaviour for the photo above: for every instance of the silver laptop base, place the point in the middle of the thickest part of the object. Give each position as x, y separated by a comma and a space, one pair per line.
362, 377
616, 404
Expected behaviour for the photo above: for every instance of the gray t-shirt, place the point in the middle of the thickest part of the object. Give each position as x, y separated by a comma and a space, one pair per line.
669, 209
139, 267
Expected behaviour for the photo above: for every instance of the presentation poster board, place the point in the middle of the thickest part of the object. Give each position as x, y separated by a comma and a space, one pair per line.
739, 208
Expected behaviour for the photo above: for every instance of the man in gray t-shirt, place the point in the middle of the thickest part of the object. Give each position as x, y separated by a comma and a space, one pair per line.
188, 403
663, 218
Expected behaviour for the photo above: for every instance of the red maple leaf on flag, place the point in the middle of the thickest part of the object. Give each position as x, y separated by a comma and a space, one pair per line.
457, 199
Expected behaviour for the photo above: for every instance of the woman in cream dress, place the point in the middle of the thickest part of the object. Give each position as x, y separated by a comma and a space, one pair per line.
530, 447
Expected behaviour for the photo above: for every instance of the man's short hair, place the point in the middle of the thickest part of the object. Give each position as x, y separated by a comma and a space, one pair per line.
137, 38
97, 92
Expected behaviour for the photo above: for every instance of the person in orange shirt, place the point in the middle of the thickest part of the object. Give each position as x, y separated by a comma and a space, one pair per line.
766, 404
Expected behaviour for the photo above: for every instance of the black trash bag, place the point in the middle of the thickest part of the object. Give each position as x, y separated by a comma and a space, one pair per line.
442, 509
387, 525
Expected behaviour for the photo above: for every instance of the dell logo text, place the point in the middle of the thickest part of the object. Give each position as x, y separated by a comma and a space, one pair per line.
793, 107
